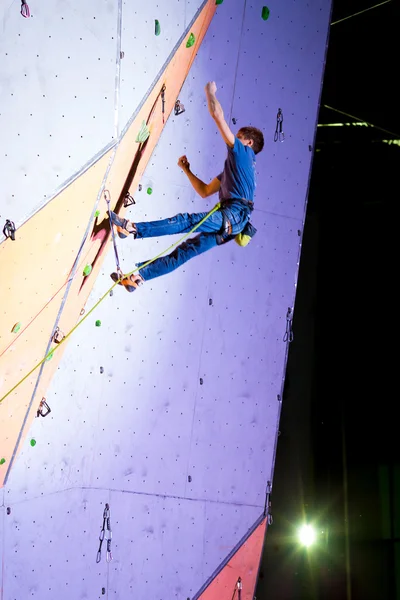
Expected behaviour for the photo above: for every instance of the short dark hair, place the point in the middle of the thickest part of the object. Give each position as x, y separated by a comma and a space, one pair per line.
252, 133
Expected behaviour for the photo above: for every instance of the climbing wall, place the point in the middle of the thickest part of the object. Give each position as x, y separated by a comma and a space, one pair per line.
164, 404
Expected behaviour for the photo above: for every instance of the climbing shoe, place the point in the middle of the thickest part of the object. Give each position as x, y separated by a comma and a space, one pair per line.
130, 283
121, 225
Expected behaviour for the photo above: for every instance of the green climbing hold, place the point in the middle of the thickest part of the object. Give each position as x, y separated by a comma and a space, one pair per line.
190, 41
87, 270
149, 191
218, 1
50, 355
16, 328
265, 12
143, 133
97, 213
98, 323
33, 443
157, 27
2, 461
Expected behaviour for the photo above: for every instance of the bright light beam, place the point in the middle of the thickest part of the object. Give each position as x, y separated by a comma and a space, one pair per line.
307, 535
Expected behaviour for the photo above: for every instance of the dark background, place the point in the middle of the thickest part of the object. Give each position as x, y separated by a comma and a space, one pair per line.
338, 462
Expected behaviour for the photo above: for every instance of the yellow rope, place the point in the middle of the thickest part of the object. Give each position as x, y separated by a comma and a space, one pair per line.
50, 354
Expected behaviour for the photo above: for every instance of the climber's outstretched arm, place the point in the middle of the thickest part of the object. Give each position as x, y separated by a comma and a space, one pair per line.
217, 114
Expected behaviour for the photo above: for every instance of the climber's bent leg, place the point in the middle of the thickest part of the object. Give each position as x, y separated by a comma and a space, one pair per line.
182, 223
182, 253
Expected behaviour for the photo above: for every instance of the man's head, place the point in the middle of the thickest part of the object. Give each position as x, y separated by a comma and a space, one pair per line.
252, 137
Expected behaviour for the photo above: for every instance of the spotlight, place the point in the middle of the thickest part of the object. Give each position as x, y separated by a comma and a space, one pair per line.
307, 535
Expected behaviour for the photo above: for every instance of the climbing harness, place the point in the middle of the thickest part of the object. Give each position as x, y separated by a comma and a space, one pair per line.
107, 198
105, 533
9, 230
225, 234
279, 135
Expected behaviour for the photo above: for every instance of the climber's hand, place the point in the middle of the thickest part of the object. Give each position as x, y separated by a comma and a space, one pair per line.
183, 163
211, 87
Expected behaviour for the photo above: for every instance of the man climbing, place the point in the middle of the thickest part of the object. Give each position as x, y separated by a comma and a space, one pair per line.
236, 186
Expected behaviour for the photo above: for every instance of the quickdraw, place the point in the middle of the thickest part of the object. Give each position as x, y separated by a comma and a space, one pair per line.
25, 12
107, 198
9, 229
288, 337
238, 589
163, 102
106, 529
128, 200
179, 108
43, 405
279, 135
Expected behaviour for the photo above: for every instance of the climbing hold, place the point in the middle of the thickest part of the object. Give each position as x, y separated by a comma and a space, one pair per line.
50, 355
97, 213
101, 369
111, 293
33, 443
98, 323
143, 133
218, 2
149, 191
16, 328
140, 187
189, 478
157, 27
234, 121
87, 270
190, 41
265, 12
8, 510
201, 381
82, 311
2, 461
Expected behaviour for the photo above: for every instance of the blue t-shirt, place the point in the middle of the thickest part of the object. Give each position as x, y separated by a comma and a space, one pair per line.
238, 177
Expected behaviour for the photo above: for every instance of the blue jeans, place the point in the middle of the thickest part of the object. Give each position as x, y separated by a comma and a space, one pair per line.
183, 223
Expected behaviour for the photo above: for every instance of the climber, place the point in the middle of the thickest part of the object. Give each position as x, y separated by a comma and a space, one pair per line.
236, 186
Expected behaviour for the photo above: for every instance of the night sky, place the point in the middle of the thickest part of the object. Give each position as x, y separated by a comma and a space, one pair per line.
338, 459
